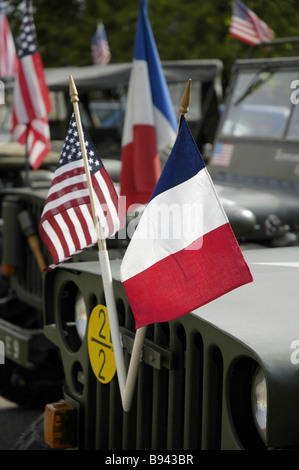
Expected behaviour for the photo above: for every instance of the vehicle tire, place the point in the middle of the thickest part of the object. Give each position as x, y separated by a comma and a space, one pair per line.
33, 437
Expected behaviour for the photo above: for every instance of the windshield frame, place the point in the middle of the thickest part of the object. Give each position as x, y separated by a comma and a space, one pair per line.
238, 98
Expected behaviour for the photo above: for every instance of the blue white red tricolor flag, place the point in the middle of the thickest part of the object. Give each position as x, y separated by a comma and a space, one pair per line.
150, 123
183, 253
8, 55
67, 225
100, 47
32, 102
247, 26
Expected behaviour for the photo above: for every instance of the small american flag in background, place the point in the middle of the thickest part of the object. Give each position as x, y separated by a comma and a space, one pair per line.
8, 55
247, 26
67, 225
99, 47
32, 102
222, 154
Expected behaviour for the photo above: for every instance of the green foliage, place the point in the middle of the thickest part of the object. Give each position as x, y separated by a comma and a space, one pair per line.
189, 29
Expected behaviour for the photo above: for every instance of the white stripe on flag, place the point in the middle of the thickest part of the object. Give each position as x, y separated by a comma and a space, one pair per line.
77, 224
59, 186
36, 149
88, 218
33, 85
69, 167
66, 198
54, 239
181, 197
139, 102
107, 195
41, 126
66, 232
20, 110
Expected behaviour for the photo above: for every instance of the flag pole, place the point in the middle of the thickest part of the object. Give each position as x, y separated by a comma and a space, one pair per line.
126, 382
27, 164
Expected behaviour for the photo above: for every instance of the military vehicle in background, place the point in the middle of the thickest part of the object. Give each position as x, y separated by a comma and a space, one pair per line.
255, 161
33, 373
226, 375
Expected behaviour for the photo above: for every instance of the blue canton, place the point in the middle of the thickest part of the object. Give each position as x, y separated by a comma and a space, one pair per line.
71, 150
27, 40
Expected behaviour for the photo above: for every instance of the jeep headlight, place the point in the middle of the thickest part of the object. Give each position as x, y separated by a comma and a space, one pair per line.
259, 401
80, 315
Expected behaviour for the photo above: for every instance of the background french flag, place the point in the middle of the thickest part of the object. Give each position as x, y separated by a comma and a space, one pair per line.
150, 122
167, 277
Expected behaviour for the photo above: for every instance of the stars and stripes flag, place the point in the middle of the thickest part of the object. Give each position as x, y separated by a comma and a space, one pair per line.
150, 122
67, 224
8, 55
222, 154
31, 102
100, 47
183, 253
247, 26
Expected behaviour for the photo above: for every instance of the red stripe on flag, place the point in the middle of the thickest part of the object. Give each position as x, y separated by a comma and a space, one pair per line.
67, 219
199, 280
49, 243
39, 70
68, 190
56, 227
141, 167
8, 56
83, 228
25, 92
84, 224
104, 205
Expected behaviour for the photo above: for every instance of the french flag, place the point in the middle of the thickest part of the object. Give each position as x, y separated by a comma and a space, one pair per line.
183, 253
150, 122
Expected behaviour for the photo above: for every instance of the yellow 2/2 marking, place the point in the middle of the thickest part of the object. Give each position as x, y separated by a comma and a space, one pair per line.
100, 346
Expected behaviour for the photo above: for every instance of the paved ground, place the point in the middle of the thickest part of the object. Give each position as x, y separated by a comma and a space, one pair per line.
14, 420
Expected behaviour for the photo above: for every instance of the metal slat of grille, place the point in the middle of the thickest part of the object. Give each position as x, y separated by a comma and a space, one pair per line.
212, 398
115, 413
193, 392
144, 407
102, 416
176, 389
159, 409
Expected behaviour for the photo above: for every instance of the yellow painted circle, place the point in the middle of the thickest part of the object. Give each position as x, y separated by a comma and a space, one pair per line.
100, 347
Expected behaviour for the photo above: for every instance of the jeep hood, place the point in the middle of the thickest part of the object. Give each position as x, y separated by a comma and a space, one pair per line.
260, 210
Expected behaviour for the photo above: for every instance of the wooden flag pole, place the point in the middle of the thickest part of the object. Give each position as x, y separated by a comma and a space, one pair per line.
27, 163
126, 382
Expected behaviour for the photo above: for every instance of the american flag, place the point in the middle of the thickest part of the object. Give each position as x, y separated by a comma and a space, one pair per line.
8, 55
247, 26
222, 154
99, 47
67, 224
32, 102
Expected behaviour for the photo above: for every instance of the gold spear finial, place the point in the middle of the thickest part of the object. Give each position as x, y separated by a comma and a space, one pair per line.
185, 103
186, 98
73, 90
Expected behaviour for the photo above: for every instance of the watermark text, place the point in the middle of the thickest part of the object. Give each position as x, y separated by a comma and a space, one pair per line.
295, 93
